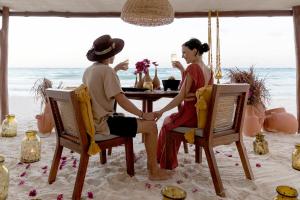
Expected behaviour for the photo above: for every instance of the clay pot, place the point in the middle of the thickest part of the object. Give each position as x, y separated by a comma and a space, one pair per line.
254, 119
278, 120
45, 121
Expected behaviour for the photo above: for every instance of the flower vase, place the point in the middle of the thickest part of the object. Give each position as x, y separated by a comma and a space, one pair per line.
136, 82
254, 119
156, 81
140, 82
148, 81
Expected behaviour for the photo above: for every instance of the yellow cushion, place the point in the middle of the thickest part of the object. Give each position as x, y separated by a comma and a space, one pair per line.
203, 100
84, 100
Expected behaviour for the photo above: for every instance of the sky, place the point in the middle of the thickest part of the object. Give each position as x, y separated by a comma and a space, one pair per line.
63, 42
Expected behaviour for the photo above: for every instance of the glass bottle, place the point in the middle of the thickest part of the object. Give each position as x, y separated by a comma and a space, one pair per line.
260, 145
286, 193
31, 147
296, 157
156, 81
9, 126
4, 179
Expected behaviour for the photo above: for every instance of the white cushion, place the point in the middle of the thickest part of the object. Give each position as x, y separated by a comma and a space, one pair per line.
183, 130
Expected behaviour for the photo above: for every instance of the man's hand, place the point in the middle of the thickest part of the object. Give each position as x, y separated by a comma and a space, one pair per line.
122, 66
149, 116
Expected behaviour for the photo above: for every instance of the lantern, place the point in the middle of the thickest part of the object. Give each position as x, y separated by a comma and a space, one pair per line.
9, 126
31, 147
4, 179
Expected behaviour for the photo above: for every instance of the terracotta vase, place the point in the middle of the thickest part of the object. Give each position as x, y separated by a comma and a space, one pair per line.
254, 119
45, 121
278, 120
156, 81
140, 82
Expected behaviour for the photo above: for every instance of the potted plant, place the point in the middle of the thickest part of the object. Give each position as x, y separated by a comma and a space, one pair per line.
258, 97
45, 121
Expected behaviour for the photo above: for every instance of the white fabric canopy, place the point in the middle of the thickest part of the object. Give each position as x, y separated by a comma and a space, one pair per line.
116, 5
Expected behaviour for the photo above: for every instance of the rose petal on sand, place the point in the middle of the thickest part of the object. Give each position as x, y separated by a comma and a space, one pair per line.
21, 182
64, 158
23, 174
90, 195
148, 185
45, 167
32, 193
60, 197
27, 166
258, 165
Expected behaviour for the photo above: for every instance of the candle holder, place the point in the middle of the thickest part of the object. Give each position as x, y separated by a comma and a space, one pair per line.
296, 157
173, 192
31, 147
260, 145
9, 126
286, 193
4, 179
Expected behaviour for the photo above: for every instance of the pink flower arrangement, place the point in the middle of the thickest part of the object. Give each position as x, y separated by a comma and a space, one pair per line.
142, 66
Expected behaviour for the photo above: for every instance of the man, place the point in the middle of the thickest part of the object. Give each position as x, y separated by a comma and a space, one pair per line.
104, 87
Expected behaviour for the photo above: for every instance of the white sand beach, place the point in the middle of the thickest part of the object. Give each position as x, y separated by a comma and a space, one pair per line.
110, 181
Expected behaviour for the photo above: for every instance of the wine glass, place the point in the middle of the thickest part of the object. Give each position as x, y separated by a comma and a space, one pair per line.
174, 58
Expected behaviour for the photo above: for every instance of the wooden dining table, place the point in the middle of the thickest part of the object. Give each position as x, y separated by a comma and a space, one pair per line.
148, 97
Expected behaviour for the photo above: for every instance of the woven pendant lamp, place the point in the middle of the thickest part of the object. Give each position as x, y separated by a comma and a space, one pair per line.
147, 12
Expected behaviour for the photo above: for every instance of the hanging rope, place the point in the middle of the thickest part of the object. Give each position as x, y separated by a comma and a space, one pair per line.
210, 61
218, 75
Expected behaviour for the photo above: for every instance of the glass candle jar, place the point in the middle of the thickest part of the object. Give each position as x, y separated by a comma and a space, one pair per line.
172, 193
296, 157
286, 193
4, 179
260, 145
9, 126
31, 147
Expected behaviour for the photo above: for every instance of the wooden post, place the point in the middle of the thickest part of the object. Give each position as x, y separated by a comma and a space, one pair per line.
296, 17
3, 63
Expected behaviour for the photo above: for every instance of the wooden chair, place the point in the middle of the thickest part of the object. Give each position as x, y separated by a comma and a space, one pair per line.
223, 126
74, 137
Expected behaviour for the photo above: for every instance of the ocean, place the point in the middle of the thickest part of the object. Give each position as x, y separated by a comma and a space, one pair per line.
281, 82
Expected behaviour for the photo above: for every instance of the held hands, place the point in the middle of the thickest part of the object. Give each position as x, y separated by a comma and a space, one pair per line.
122, 66
152, 115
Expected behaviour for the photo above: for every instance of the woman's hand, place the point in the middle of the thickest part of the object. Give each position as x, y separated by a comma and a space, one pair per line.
178, 65
121, 66
148, 116
158, 114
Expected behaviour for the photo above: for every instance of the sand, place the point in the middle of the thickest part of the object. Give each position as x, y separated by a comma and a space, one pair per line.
110, 181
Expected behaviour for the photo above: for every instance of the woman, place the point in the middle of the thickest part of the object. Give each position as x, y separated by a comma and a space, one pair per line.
196, 75
104, 88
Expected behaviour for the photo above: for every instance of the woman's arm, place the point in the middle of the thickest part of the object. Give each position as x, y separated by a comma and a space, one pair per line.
183, 93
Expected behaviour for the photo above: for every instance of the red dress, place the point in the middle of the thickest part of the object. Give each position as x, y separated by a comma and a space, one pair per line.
186, 116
